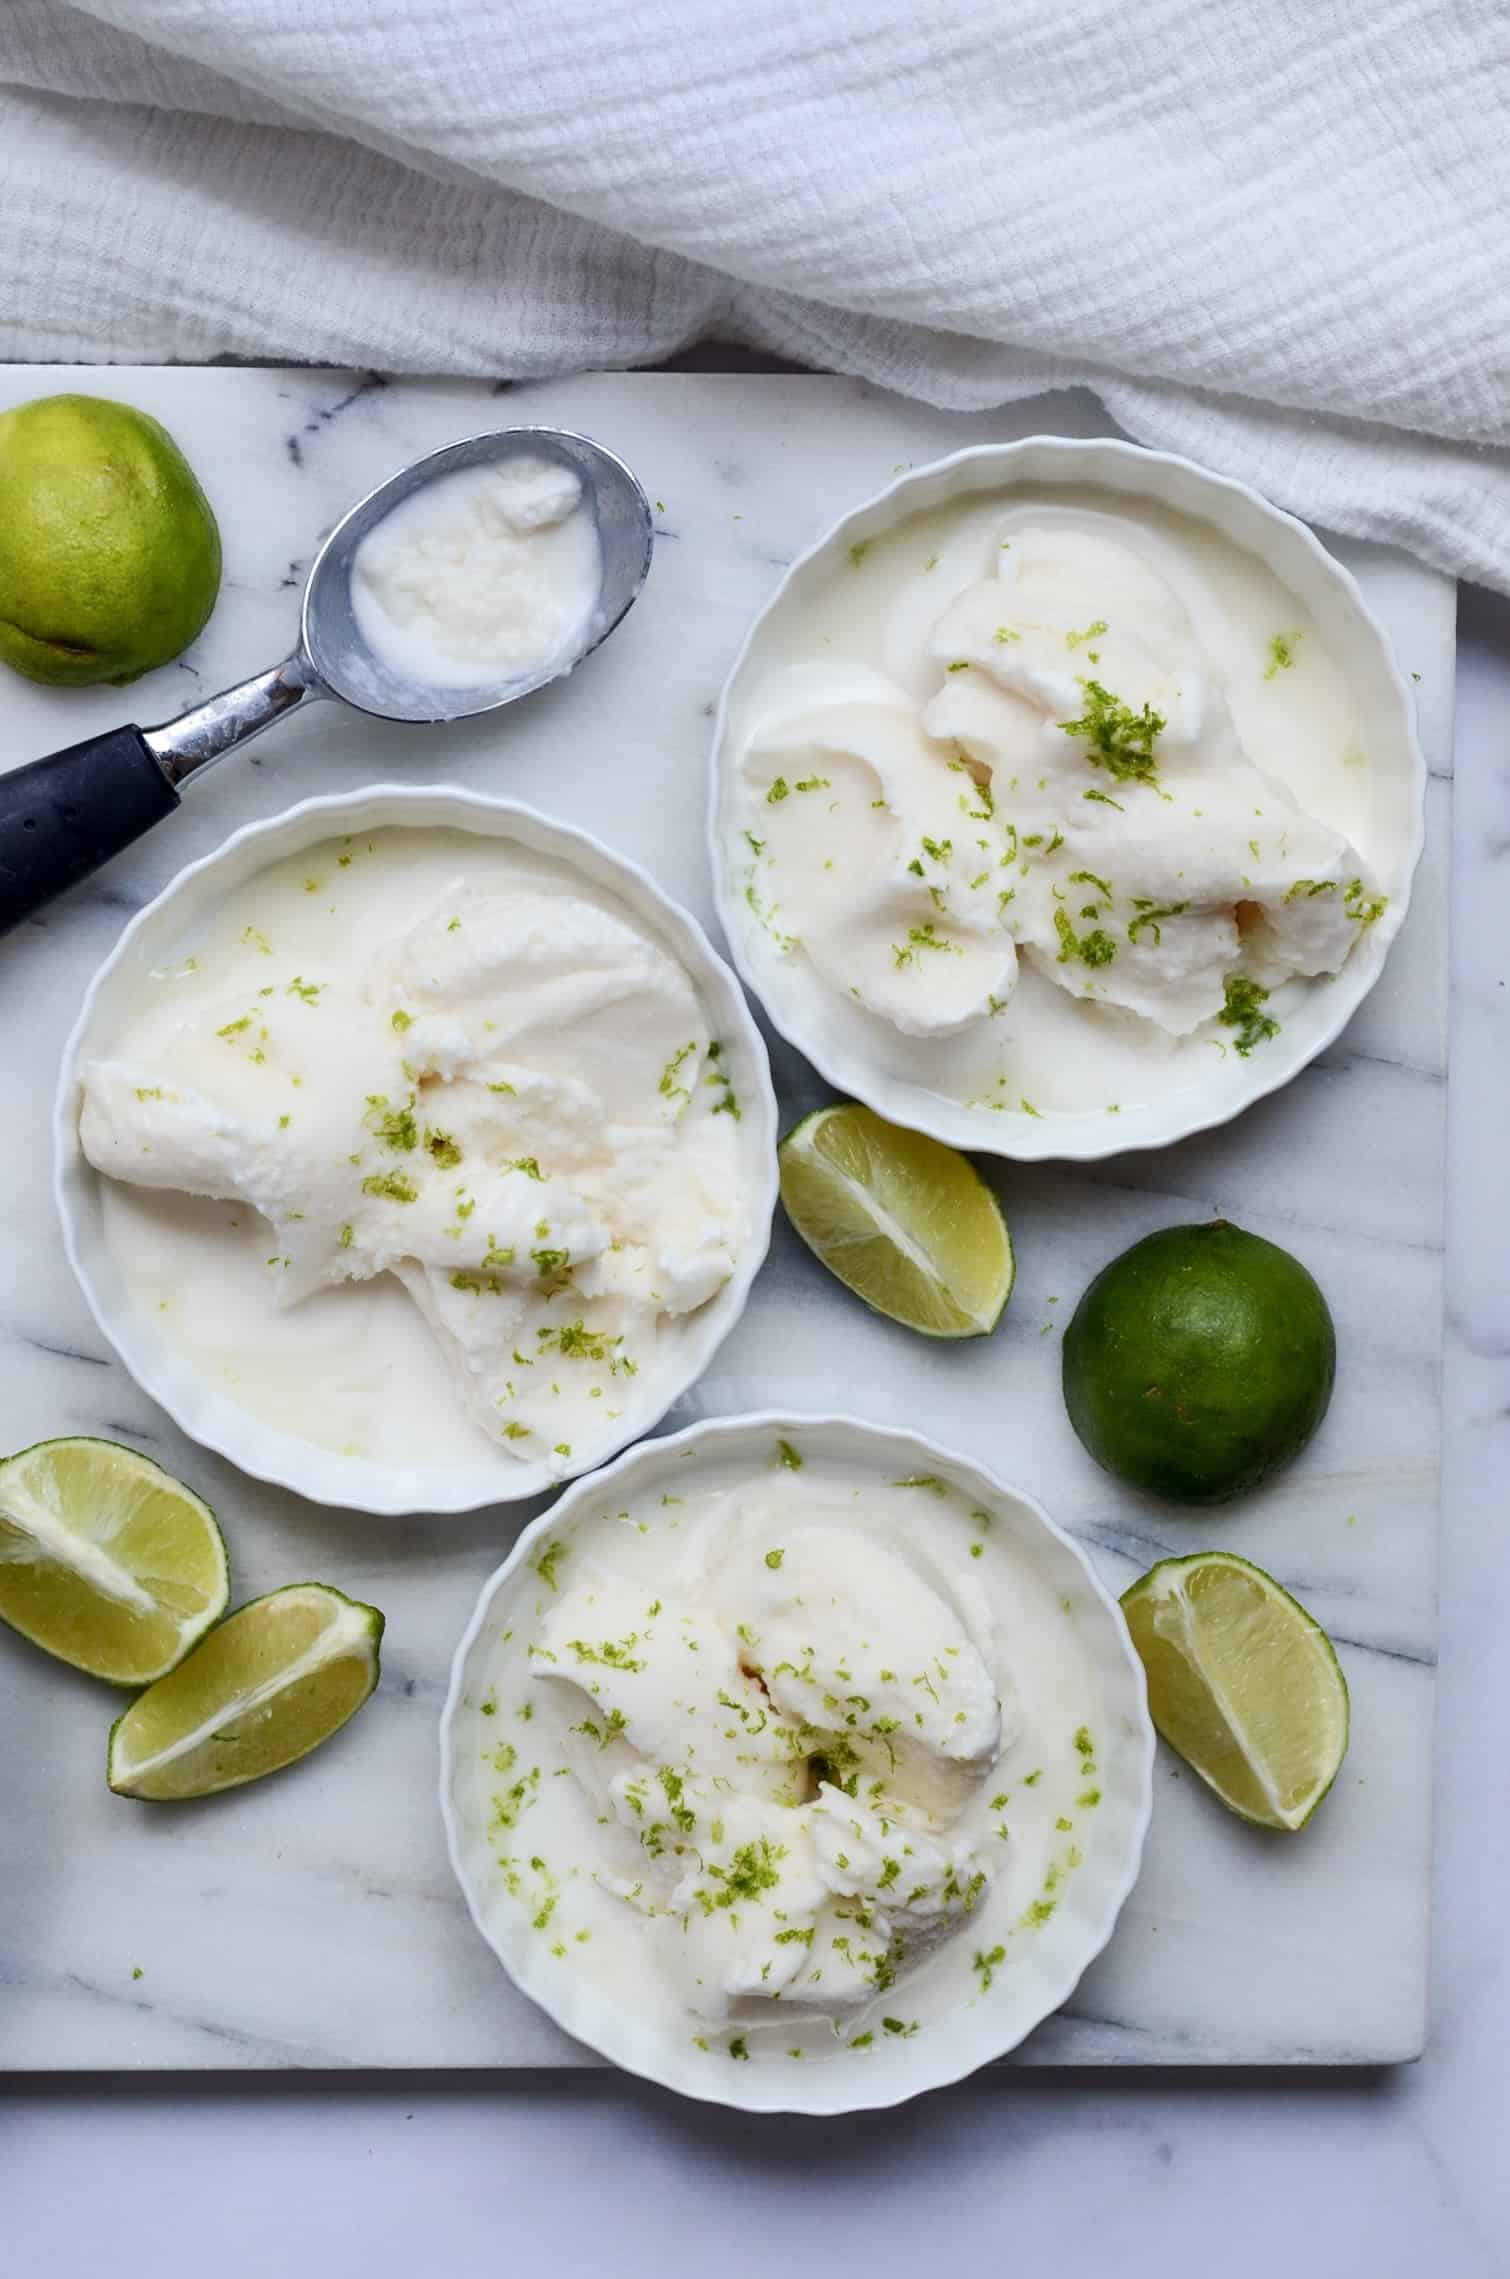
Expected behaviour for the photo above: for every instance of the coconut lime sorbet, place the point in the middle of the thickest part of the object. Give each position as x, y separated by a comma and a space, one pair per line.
426, 1147
791, 1761
1050, 797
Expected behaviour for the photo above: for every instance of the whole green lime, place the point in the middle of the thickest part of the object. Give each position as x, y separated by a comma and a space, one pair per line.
1198, 1362
109, 553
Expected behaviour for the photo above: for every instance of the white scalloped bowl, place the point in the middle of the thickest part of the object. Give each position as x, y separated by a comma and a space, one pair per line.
1042, 1974
166, 928
837, 1036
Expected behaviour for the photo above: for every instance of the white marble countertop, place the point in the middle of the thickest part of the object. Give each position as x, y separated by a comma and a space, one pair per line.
1147, 2173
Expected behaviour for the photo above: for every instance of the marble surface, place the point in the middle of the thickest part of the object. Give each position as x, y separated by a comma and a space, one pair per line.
312, 1922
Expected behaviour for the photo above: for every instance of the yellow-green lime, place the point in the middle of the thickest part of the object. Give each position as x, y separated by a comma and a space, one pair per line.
904, 1222
109, 550
106, 1560
1242, 1682
272, 1682
1198, 1362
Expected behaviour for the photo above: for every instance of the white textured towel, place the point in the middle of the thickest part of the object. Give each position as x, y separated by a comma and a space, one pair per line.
1270, 233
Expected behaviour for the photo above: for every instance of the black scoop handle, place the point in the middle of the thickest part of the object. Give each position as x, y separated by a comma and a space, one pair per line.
61, 817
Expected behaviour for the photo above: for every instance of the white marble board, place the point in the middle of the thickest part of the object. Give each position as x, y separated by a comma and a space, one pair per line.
312, 1921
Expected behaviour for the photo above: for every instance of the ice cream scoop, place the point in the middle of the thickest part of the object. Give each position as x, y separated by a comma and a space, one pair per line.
61, 817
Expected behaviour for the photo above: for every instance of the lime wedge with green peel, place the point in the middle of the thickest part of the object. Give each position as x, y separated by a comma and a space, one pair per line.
270, 1684
1242, 1682
904, 1222
106, 1560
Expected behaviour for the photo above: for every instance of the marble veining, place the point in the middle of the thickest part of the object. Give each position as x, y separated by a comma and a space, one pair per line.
313, 1921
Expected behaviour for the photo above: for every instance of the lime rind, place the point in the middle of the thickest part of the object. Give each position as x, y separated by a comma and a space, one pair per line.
1165, 1585
209, 1736
945, 1267
86, 1570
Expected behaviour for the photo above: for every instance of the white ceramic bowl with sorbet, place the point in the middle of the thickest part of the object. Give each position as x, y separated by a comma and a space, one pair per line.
1065, 799
796, 1764
414, 1151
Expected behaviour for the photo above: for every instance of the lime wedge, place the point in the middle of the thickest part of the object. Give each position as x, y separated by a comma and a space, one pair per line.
106, 1560
904, 1222
1242, 1682
266, 1687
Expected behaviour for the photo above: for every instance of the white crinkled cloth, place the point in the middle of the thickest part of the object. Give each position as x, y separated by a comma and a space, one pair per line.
1274, 234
